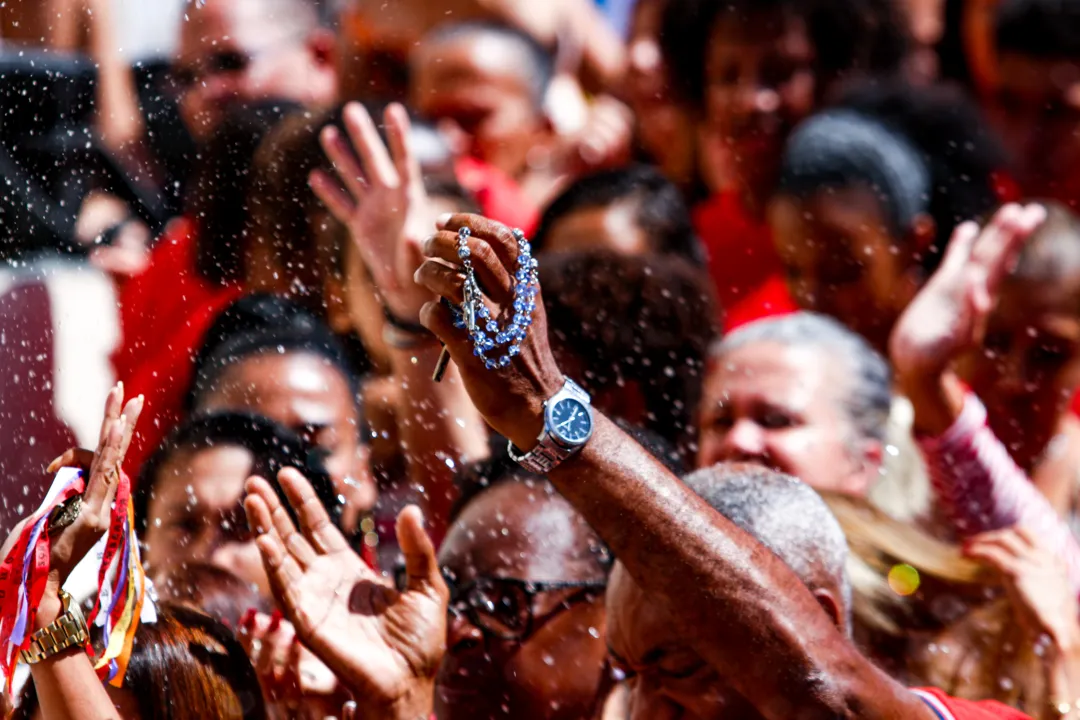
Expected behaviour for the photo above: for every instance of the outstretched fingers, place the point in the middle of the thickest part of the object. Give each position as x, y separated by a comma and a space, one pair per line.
314, 520
276, 521
284, 573
421, 564
378, 166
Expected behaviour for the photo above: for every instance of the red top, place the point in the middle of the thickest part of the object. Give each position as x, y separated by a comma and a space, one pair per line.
164, 314
743, 261
498, 195
948, 708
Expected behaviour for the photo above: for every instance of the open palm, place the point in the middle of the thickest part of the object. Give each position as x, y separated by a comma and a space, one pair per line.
381, 200
949, 315
383, 644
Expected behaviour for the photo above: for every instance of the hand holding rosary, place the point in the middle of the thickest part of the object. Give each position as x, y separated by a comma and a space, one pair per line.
473, 315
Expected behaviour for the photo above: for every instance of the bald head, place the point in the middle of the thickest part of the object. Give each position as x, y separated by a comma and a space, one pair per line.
786, 516
523, 528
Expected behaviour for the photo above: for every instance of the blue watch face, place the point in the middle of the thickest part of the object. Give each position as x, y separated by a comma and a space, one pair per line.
571, 421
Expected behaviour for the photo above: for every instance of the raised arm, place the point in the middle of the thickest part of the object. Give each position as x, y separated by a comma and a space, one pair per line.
67, 684
727, 590
381, 200
974, 478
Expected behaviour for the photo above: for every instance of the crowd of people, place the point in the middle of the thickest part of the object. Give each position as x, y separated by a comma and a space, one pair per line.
500, 359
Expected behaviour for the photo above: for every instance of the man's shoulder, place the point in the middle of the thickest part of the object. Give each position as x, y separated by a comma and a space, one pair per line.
949, 708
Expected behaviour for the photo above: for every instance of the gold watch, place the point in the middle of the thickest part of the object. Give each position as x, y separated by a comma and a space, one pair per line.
67, 631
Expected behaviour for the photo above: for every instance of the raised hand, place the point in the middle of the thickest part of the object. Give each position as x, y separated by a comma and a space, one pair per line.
1036, 580
511, 399
949, 315
381, 200
296, 684
384, 645
102, 467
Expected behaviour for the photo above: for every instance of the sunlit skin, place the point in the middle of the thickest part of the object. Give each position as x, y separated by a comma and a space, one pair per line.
280, 61
525, 533
612, 228
841, 260
667, 679
310, 396
760, 84
196, 515
472, 88
1029, 365
781, 407
1036, 108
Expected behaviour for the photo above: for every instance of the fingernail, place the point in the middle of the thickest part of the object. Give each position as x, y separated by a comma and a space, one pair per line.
275, 621
248, 618
443, 219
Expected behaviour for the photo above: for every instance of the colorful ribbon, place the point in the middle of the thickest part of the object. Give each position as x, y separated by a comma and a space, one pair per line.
123, 590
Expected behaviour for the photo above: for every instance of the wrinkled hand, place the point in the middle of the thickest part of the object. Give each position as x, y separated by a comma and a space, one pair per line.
948, 317
295, 683
510, 399
1036, 580
383, 202
384, 645
102, 470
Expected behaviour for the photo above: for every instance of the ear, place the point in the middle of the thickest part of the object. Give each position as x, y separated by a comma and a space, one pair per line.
832, 607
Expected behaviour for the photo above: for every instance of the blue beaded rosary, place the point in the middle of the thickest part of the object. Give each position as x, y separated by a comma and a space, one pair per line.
484, 331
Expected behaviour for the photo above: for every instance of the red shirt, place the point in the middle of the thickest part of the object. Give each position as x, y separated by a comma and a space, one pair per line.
164, 314
743, 261
498, 195
948, 708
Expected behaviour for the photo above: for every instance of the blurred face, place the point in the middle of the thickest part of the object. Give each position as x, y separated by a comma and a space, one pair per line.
308, 395
1037, 110
511, 534
761, 83
1030, 363
234, 51
612, 228
841, 260
196, 515
780, 407
663, 128
473, 87
666, 678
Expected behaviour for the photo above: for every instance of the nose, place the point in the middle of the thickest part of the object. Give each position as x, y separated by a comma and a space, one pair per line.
462, 635
745, 441
1012, 371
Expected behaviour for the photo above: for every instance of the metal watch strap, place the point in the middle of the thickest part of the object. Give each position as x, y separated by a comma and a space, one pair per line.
67, 631
548, 451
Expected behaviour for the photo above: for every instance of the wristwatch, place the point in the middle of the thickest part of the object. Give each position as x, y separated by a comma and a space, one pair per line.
568, 425
67, 631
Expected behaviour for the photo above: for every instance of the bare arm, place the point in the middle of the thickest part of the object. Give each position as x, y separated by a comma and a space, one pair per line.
381, 199
729, 592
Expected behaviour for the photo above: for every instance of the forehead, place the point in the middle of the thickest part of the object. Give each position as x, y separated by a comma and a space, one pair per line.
290, 388
770, 371
514, 530
606, 227
232, 24
209, 478
450, 63
1036, 308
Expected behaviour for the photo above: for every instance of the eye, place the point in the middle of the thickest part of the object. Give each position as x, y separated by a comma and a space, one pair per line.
1049, 356
775, 420
722, 421
680, 665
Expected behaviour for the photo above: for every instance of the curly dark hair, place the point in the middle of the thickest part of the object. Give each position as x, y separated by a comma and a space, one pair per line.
645, 321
